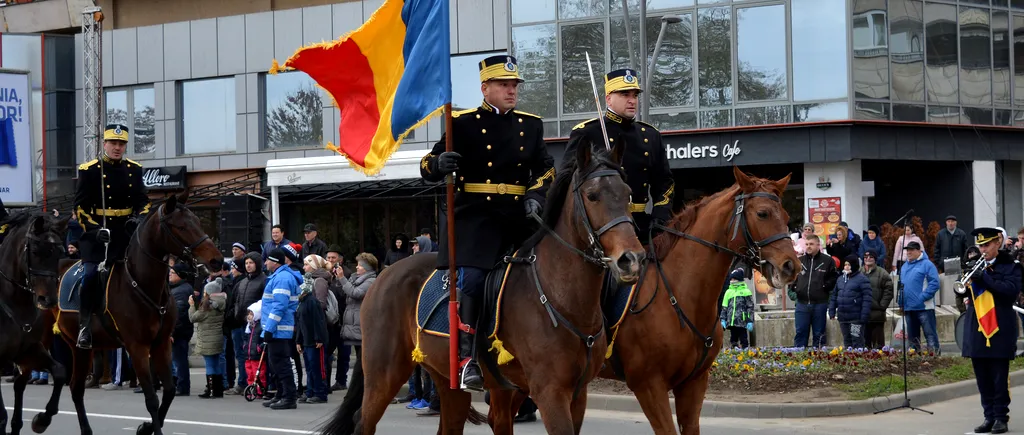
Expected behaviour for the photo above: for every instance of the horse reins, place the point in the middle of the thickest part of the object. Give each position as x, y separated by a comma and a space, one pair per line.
737, 221
25, 250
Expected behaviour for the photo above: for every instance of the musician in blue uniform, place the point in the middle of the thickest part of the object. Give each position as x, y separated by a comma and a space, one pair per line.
110, 187
503, 171
644, 161
990, 335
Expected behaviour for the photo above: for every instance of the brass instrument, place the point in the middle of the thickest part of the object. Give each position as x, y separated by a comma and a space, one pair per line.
960, 287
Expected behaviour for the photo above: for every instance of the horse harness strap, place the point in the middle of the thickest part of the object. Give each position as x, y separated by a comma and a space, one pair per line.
27, 327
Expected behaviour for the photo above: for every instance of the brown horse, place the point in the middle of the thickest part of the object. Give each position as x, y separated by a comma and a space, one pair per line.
587, 209
661, 346
28, 287
140, 311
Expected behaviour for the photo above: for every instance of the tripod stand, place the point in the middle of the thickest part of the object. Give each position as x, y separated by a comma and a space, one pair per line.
902, 298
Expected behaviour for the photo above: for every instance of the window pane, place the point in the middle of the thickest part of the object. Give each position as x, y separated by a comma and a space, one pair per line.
871, 111
870, 51
208, 116
977, 116
466, 79
535, 49
906, 32
581, 8
1017, 4
908, 113
1001, 58
975, 57
634, 5
714, 56
1003, 117
565, 127
577, 40
117, 107
762, 115
821, 112
1000, 3
674, 121
944, 114
1018, 118
295, 112
980, 2
528, 11
1018, 59
551, 129
715, 118
761, 51
144, 124
711, 2
672, 78
941, 40
819, 49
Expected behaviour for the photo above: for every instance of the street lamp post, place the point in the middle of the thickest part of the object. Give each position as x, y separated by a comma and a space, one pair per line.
645, 104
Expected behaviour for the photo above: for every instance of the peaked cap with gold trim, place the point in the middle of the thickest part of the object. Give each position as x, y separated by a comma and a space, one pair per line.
984, 235
116, 132
621, 80
501, 67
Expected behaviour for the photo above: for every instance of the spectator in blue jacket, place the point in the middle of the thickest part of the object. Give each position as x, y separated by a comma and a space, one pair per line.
873, 241
280, 300
919, 281
851, 303
277, 240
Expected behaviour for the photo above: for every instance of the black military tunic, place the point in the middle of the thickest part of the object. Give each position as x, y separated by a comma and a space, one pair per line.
644, 161
504, 161
126, 195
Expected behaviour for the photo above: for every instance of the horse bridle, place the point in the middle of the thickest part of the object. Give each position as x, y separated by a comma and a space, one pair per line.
26, 251
185, 256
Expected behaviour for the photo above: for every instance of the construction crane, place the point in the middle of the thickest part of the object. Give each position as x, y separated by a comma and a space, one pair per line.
92, 79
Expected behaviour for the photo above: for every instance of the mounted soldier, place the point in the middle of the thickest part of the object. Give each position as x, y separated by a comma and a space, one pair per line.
110, 198
503, 173
647, 170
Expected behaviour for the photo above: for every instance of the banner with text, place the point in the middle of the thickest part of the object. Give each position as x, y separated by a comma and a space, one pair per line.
164, 178
15, 139
825, 214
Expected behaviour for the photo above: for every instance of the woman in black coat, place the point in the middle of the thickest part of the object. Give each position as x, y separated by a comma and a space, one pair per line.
400, 249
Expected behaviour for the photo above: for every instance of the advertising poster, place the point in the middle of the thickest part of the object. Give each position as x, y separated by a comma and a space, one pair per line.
15, 139
764, 293
825, 214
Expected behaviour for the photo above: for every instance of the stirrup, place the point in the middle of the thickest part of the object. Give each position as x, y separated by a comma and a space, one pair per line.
462, 376
84, 344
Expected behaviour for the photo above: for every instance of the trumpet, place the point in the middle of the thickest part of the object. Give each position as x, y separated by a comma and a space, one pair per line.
960, 288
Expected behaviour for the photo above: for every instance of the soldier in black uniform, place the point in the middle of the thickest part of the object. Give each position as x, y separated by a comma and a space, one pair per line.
126, 200
993, 290
644, 161
503, 171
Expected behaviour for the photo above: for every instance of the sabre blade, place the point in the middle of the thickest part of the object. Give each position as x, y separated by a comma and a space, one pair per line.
597, 102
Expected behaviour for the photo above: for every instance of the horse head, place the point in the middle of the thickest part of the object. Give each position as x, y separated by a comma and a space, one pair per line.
38, 246
177, 231
764, 223
602, 219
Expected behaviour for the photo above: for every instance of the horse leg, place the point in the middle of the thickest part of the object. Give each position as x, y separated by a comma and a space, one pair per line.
384, 372
143, 370
82, 359
161, 359
502, 413
689, 400
59, 376
554, 405
19, 394
578, 408
653, 398
454, 410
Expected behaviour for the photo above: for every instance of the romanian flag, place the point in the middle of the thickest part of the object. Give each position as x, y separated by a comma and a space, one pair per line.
388, 77
985, 311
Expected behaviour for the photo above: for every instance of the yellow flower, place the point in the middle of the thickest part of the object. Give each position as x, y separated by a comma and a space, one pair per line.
835, 351
806, 362
714, 364
911, 350
739, 358
789, 364
750, 353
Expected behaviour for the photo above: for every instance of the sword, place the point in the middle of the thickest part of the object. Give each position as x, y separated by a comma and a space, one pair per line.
597, 102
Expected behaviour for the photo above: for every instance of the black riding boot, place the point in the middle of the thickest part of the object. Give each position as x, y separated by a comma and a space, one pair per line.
469, 314
84, 325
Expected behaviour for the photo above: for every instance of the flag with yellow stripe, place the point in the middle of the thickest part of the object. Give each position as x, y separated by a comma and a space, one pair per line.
985, 311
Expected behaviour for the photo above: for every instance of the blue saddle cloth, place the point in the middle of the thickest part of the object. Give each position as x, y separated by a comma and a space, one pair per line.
617, 305
432, 305
71, 289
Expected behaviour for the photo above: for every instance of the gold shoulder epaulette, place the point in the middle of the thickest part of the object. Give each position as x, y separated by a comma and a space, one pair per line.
649, 125
87, 165
134, 162
458, 113
520, 112
584, 123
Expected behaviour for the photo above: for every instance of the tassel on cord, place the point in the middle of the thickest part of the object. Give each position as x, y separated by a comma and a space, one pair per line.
274, 68
56, 324
332, 147
417, 355
611, 344
504, 356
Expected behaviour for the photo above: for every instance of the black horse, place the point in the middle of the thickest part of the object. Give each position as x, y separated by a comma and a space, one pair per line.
29, 258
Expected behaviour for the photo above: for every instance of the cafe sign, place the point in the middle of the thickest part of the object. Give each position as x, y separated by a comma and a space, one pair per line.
164, 178
691, 151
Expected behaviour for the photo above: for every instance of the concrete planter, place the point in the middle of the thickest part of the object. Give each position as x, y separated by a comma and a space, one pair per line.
777, 328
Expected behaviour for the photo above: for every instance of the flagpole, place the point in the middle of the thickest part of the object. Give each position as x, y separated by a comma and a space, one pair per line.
453, 278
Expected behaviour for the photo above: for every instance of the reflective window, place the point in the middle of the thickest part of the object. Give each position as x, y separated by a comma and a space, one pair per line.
1017, 4
565, 127
577, 41
1001, 3
980, 2
208, 116
711, 2
551, 129
117, 107
674, 121
672, 77
1018, 118
714, 56
528, 11
466, 79
535, 49
976, 116
941, 59
634, 5
821, 112
975, 57
870, 50
581, 8
944, 114
1003, 117
294, 111
819, 49
761, 53
140, 119
870, 110
715, 118
906, 33
1018, 59
908, 113
762, 115
1001, 58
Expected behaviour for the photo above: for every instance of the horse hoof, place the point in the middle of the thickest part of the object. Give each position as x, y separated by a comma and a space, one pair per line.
40, 422
145, 429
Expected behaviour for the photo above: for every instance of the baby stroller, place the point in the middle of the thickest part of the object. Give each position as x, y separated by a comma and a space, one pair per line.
256, 389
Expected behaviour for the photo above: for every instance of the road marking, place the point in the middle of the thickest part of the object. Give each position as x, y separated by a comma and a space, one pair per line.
188, 422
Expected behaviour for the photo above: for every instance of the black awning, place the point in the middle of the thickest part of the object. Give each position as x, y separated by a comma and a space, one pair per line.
405, 188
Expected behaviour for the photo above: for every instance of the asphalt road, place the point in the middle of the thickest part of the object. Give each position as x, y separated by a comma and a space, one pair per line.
120, 412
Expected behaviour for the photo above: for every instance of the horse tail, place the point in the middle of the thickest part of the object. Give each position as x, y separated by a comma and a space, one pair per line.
341, 422
476, 417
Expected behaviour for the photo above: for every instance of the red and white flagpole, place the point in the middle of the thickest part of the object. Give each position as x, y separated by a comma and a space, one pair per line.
453, 277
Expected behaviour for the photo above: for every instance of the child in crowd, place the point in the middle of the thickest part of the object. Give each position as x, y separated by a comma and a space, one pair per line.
738, 310
253, 344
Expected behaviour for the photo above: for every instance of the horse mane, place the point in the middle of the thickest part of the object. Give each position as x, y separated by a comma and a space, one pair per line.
21, 218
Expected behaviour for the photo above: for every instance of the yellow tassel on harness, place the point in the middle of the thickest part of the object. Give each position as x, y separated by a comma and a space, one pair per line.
504, 356
417, 355
611, 344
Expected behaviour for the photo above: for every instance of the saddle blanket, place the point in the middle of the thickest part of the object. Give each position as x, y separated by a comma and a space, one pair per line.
618, 305
70, 293
432, 306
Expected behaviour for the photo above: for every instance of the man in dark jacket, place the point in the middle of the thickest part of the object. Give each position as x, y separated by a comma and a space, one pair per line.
811, 292
990, 332
313, 245
179, 278
881, 297
949, 243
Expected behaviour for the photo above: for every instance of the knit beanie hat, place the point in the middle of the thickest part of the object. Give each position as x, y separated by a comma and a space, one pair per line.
276, 255
854, 263
736, 275
214, 286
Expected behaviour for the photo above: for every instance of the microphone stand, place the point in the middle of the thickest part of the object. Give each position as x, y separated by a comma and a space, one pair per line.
906, 335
